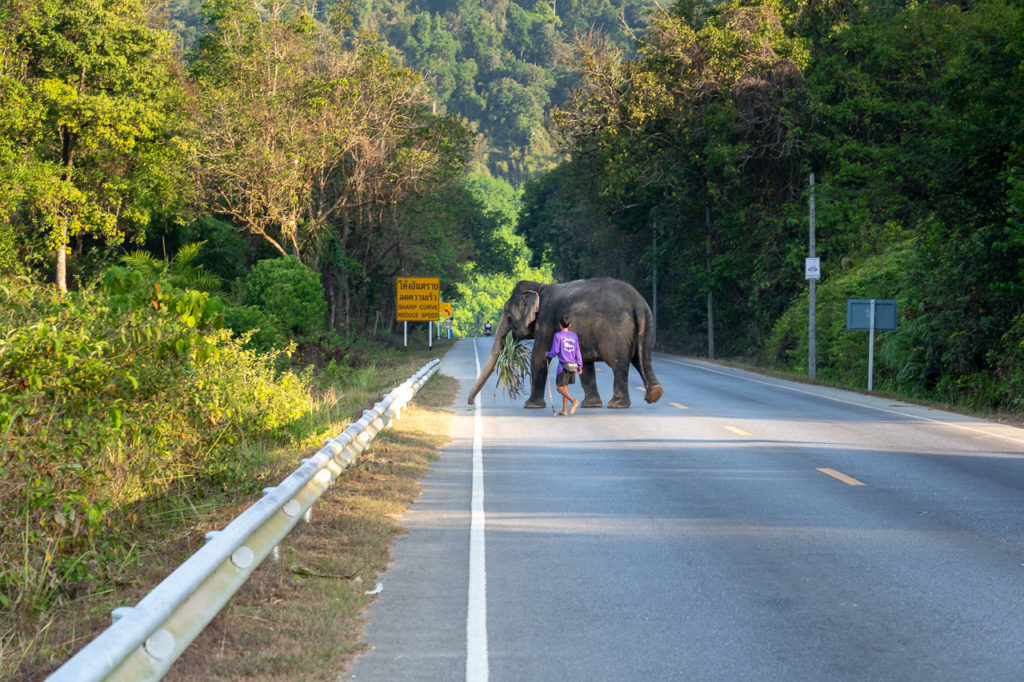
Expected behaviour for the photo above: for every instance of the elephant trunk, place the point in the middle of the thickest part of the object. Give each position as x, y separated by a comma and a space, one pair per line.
492, 360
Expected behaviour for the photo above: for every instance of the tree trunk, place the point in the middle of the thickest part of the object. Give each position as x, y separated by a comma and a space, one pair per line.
67, 157
62, 262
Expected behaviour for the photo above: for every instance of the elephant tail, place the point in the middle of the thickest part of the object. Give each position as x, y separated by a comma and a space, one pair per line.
644, 348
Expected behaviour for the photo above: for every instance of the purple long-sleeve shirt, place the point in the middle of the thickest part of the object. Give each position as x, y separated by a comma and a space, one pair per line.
566, 345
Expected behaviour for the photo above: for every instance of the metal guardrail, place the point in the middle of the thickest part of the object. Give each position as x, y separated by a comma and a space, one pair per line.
146, 639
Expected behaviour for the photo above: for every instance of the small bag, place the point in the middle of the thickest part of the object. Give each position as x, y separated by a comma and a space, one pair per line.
570, 367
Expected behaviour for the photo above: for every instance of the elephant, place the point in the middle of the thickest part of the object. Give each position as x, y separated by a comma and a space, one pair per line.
611, 318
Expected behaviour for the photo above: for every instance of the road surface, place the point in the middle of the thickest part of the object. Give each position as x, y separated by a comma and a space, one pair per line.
742, 528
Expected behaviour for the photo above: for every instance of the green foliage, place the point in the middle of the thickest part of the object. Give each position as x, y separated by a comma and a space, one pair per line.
900, 361
500, 65
259, 329
512, 366
481, 295
96, 117
694, 159
182, 271
318, 143
287, 291
107, 397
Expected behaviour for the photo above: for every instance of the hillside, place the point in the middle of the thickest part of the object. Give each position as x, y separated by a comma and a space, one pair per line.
500, 65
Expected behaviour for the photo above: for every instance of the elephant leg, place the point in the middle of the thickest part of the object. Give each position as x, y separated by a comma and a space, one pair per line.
653, 389
620, 369
538, 378
588, 379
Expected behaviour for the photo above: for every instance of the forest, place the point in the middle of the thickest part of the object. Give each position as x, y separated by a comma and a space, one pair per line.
691, 161
204, 205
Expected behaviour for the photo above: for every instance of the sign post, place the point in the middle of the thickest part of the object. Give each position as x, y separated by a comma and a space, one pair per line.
418, 299
870, 315
446, 311
812, 273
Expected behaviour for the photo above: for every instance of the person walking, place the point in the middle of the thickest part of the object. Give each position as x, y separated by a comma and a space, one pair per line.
566, 346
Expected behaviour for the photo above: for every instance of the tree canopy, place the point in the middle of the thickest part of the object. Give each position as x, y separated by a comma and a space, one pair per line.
698, 153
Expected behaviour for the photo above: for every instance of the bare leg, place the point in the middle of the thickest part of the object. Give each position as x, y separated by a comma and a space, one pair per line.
566, 399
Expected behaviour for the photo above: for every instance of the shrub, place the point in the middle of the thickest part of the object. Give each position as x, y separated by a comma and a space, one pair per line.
259, 330
289, 291
109, 397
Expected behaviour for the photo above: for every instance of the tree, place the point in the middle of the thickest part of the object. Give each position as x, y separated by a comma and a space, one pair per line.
258, 134
317, 142
100, 89
700, 136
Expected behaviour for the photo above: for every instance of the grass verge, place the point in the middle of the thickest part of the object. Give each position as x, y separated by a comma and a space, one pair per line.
297, 618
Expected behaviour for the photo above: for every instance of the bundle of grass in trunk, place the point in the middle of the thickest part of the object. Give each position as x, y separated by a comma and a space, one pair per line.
512, 366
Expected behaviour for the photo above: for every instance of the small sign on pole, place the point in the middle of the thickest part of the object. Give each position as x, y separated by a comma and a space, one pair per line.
871, 315
812, 268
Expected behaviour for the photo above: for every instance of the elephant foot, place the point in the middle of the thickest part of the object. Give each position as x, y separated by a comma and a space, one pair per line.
535, 403
592, 402
654, 394
618, 403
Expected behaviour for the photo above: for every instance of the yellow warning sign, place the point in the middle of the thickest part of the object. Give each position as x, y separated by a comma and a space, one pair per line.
417, 299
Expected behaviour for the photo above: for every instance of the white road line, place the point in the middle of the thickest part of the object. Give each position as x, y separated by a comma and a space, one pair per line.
476, 616
845, 402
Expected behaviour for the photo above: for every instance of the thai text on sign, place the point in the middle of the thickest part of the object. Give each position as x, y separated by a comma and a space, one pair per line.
417, 299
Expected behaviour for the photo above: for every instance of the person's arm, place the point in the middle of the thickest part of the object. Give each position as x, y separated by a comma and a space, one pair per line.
554, 347
579, 354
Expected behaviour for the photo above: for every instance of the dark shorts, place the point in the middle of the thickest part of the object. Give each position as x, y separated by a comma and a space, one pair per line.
565, 378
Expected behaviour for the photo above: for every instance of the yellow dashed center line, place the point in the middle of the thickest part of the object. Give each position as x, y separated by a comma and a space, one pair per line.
737, 431
848, 480
681, 407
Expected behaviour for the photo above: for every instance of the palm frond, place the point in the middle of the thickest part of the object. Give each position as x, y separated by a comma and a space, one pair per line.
142, 261
186, 254
512, 366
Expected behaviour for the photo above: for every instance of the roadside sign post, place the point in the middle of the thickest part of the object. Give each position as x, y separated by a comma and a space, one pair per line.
871, 348
812, 273
445, 310
418, 299
870, 315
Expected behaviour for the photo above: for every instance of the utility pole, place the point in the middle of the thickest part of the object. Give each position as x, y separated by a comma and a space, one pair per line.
711, 300
812, 350
654, 292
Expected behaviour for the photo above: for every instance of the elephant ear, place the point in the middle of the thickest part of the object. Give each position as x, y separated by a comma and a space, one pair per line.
532, 307
524, 311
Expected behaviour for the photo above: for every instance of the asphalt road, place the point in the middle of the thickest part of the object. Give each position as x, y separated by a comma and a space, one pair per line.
742, 528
